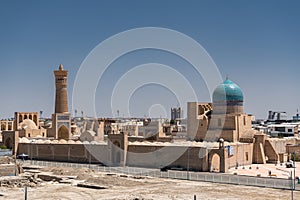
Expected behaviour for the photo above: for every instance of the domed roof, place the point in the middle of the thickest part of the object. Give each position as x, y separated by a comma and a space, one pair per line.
89, 133
228, 91
28, 124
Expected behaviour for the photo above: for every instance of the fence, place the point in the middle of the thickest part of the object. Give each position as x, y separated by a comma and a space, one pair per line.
277, 183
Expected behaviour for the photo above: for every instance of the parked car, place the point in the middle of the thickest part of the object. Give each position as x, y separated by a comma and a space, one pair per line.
23, 156
289, 164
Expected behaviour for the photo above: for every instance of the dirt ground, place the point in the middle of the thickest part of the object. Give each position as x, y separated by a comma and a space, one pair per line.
279, 170
135, 188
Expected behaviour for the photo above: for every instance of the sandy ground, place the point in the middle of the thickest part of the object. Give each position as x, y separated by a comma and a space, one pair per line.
279, 171
133, 188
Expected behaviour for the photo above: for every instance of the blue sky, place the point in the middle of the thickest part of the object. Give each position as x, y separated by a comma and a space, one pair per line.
256, 43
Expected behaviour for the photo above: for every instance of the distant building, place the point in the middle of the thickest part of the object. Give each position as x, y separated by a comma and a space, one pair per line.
6, 125
153, 130
260, 127
277, 116
283, 130
296, 117
176, 114
92, 130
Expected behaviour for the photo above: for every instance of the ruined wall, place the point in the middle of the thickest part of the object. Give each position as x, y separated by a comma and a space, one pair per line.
8, 170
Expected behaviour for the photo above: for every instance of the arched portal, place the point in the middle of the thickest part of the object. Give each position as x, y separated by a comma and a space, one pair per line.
63, 132
215, 163
8, 143
35, 119
3, 127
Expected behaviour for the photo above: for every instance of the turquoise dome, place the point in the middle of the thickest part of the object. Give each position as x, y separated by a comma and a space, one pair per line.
228, 91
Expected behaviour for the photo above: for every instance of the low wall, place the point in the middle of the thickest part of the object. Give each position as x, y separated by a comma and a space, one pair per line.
194, 158
172, 156
93, 153
8, 170
150, 156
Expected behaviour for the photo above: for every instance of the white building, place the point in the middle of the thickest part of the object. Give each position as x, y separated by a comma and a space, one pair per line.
283, 130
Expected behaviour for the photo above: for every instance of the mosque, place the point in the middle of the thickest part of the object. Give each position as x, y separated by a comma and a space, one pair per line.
224, 118
219, 136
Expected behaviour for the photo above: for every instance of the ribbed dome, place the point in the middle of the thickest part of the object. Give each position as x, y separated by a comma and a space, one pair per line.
228, 91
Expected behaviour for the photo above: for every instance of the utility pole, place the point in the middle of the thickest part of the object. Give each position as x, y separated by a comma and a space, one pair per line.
292, 187
31, 152
294, 165
188, 163
89, 160
293, 178
25, 192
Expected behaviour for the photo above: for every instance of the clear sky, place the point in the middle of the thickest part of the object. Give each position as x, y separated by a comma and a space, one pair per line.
256, 43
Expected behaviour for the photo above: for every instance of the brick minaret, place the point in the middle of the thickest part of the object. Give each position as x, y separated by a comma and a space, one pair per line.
61, 119
61, 98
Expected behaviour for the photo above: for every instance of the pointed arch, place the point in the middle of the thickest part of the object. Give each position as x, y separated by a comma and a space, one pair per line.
8, 143
3, 127
35, 119
215, 163
63, 132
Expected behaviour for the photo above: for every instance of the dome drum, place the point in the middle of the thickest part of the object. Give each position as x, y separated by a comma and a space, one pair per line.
229, 103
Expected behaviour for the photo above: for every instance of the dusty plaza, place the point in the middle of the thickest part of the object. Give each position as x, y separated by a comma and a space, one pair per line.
64, 183
149, 189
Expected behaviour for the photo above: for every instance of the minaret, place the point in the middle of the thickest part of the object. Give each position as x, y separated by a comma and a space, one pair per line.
61, 119
61, 98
